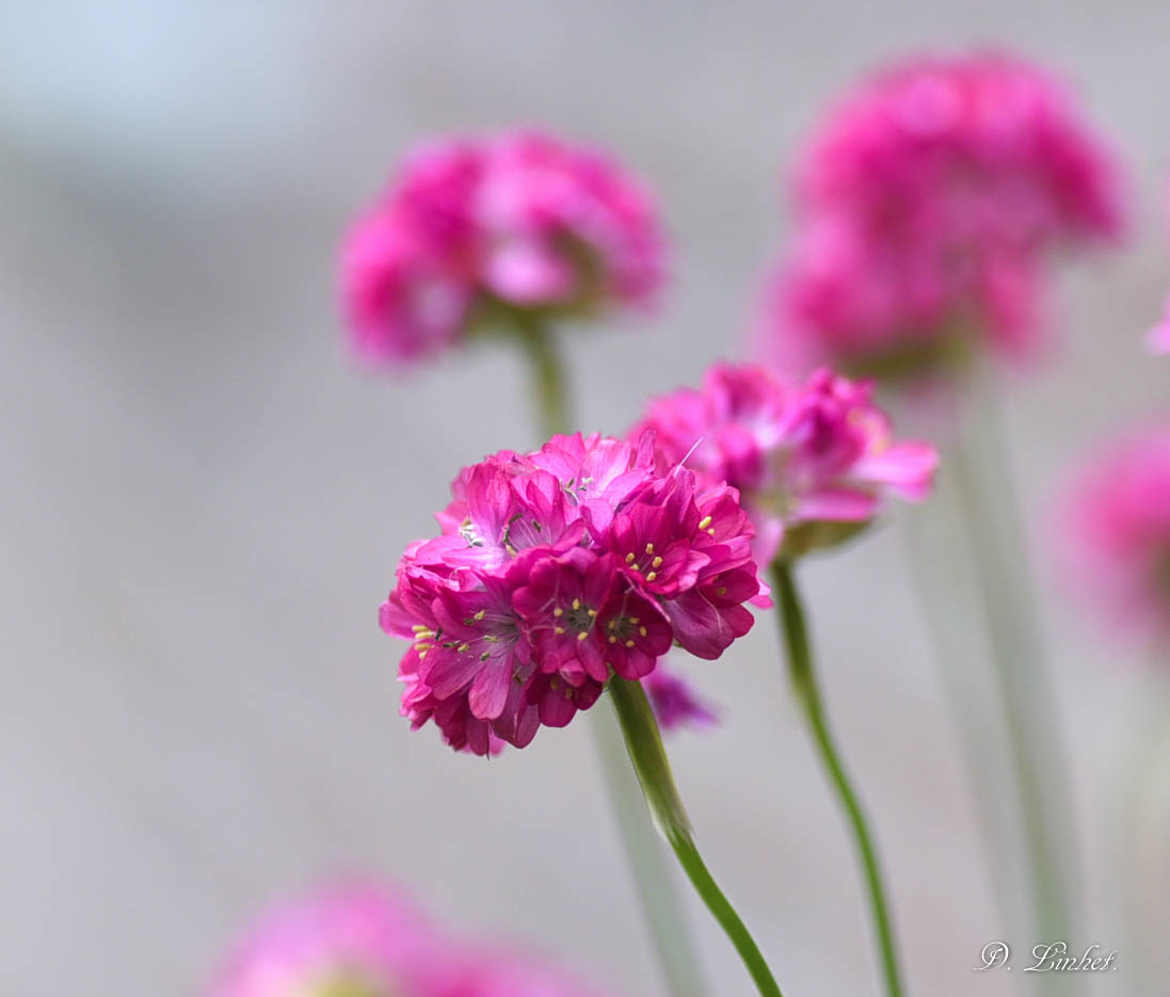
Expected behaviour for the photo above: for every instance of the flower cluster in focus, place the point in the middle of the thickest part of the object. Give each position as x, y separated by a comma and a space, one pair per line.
360, 941
925, 206
1115, 533
555, 570
480, 231
811, 462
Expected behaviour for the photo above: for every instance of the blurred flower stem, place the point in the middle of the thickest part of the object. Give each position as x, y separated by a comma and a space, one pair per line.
988, 511
804, 683
644, 745
661, 904
1027, 699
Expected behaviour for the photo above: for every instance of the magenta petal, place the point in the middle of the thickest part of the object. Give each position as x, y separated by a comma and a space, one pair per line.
489, 691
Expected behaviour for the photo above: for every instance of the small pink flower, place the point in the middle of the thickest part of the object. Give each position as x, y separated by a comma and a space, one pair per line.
520, 222
556, 570
675, 703
1114, 537
362, 941
801, 457
927, 205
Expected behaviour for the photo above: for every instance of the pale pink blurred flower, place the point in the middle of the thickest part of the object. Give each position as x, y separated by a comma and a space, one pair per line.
1114, 540
363, 941
927, 205
812, 462
496, 231
554, 571
1158, 338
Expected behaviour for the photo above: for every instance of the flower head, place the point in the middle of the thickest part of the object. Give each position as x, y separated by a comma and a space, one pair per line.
480, 230
926, 205
1115, 533
809, 462
362, 941
556, 570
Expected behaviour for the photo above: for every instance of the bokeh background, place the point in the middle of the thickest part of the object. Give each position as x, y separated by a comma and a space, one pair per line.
204, 498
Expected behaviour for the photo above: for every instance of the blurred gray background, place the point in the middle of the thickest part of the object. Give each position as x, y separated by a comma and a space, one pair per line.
204, 498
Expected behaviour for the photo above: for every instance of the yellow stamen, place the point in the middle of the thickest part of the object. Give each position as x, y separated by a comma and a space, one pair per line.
629, 643
629, 559
705, 522
582, 635
656, 563
480, 615
642, 631
649, 548
651, 576
576, 603
558, 630
558, 611
612, 639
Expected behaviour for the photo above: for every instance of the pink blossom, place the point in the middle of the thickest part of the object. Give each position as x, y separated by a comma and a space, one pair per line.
1114, 537
556, 570
927, 204
675, 703
475, 231
803, 458
362, 941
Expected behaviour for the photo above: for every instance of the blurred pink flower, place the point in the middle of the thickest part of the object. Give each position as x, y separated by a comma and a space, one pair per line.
555, 570
480, 231
806, 460
1114, 541
362, 941
926, 206
675, 703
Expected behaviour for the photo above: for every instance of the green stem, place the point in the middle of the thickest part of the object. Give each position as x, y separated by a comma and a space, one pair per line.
1025, 689
657, 894
800, 670
548, 376
644, 745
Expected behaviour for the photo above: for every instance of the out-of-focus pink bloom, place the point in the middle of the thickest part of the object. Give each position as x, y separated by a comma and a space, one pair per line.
1158, 339
1114, 537
675, 703
802, 458
485, 230
556, 570
362, 941
926, 206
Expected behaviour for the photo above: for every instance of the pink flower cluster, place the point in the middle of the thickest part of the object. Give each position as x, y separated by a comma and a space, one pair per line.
475, 231
925, 206
803, 458
361, 941
553, 571
1115, 533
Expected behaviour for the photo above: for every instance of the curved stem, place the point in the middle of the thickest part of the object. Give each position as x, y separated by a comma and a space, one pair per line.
653, 883
644, 745
800, 670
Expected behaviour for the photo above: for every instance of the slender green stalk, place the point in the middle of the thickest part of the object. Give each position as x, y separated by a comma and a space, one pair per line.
655, 886
644, 745
1025, 689
800, 670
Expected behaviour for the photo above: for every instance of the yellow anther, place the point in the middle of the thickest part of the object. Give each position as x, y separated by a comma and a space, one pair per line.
629, 643
463, 647
480, 615
582, 635
612, 639
649, 548
629, 559
642, 631
576, 603
651, 576
656, 563
704, 522
559, 630
712, 531
592, 612
558, 611
633, 619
